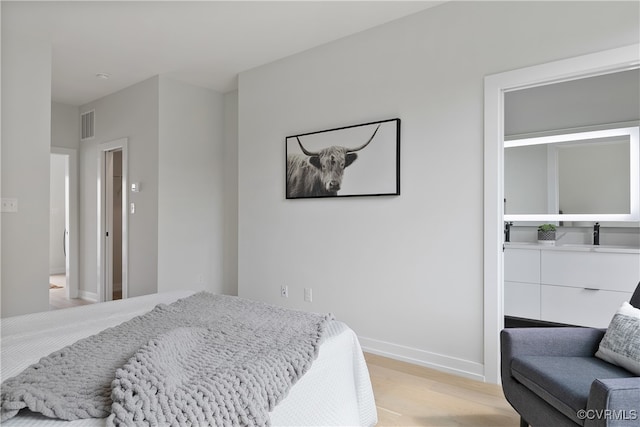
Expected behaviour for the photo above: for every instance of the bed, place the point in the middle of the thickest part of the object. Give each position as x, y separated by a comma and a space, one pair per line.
334, 390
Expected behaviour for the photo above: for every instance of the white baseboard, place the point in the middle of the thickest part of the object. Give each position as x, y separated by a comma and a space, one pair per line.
57, 270
89, 296
452, 365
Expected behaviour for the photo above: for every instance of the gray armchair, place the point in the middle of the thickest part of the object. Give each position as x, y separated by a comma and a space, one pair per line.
552, 378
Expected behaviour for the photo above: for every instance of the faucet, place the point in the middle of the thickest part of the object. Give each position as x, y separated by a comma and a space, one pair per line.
596, 233
507, 231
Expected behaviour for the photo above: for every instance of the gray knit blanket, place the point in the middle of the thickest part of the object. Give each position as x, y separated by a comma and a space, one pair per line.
202, 360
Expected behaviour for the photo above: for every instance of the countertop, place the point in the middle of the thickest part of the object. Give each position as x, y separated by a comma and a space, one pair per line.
576, 247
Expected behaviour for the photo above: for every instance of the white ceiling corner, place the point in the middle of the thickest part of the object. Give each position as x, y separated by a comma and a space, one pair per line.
206, 43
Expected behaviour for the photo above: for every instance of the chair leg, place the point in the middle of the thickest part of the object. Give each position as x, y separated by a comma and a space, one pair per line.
523, 422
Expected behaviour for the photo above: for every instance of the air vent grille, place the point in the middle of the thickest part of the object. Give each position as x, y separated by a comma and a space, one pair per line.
88, 125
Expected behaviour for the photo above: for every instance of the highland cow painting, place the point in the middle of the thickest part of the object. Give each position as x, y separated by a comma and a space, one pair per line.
359, 160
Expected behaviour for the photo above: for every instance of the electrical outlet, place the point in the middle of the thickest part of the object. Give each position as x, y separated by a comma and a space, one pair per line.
308, 294
284, 291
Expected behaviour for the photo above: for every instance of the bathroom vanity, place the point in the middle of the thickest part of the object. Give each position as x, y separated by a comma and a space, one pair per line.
574, 284
575, 180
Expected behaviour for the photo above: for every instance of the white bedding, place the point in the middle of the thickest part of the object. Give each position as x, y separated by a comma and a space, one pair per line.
335, 391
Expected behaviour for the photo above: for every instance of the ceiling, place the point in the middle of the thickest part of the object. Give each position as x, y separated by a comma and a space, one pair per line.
206, 43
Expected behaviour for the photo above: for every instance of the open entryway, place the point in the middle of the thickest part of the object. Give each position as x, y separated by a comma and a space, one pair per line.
595, 64
112, 220
63, 228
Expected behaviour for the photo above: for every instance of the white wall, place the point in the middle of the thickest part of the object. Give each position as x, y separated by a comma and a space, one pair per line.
0, 170
190, 208
594, 178
176, 236
526, 186
26, 133
65, 126
230, 156
610, 98
130, 113
405, 272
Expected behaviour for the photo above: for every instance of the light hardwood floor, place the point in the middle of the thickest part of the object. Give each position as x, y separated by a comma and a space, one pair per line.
411, 395
58, 297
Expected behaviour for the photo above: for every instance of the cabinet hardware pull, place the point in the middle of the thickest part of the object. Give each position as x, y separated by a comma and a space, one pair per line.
591, 289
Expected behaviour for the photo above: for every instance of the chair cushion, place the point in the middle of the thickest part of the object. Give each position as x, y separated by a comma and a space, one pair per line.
563, 382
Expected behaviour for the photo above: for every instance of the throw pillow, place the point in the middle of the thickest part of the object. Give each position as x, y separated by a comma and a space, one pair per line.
621, 343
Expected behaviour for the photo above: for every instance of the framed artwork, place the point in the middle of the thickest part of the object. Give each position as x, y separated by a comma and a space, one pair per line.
358, 160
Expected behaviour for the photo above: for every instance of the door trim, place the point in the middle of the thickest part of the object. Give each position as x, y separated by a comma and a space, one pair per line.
103, 257
495, 86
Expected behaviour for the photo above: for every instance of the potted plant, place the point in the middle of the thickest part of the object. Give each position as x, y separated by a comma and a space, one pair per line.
547, 234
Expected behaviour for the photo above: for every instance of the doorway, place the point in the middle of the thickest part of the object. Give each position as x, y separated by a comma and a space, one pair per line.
495, 87
63, 228
113, 221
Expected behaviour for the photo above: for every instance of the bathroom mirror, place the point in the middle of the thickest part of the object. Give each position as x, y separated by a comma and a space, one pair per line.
578, 176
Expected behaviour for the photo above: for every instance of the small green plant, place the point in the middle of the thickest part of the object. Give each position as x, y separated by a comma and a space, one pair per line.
547, 227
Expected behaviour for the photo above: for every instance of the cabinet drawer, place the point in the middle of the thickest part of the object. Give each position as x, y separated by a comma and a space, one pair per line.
578, 306
600, 270
522, 265
522, 300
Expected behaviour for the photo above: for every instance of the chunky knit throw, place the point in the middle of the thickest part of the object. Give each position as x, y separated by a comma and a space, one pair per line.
203, 360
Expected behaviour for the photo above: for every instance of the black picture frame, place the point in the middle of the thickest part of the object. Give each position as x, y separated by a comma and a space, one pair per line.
350, 161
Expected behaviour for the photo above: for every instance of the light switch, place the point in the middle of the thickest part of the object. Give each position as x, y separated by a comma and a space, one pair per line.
9, 205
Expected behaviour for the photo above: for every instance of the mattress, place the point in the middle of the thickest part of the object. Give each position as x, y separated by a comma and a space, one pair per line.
335, 391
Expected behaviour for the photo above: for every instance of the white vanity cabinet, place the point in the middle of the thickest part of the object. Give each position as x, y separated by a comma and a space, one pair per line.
579, 286
586, 288
522, 283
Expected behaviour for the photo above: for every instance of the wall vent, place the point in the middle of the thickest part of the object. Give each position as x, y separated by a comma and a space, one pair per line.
88, 121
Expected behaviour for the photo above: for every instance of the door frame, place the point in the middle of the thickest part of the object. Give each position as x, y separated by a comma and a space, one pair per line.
71, 219
105, 289
495, 86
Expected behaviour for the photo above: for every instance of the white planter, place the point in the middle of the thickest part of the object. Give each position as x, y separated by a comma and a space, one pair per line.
547, 237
